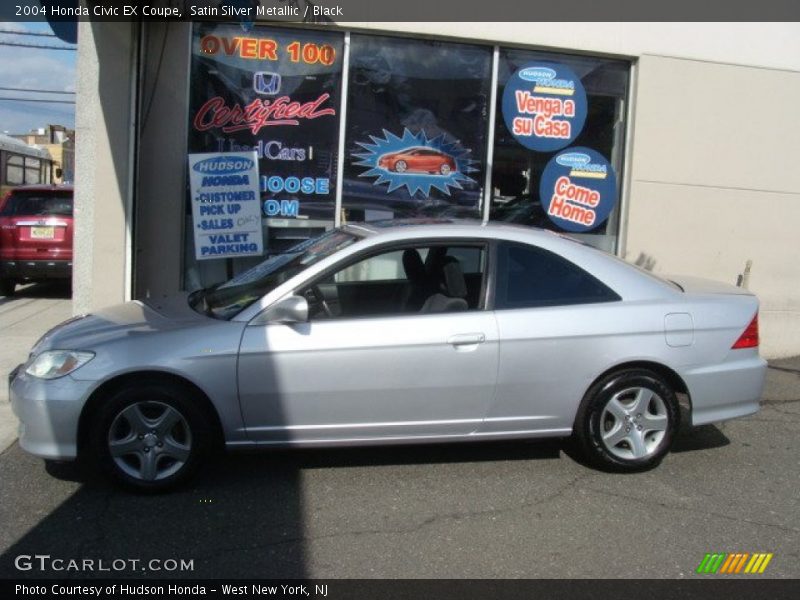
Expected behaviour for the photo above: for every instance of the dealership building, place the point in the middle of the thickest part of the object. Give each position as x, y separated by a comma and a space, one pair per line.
672, 145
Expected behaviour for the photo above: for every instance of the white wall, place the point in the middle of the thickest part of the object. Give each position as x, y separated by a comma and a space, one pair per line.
715, 182
103, 164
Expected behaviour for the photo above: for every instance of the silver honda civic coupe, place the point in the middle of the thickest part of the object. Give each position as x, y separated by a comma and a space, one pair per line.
399, 332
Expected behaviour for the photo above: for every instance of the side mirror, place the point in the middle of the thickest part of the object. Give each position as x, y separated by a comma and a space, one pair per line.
293, 309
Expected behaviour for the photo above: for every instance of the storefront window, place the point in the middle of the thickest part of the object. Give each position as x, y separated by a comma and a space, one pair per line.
558, 138
417, 121
276, 92
416, 133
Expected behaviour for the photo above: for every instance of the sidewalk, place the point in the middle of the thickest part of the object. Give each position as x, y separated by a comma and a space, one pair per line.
24, 318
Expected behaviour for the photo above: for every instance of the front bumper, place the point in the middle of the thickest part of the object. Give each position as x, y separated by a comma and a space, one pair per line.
35, 270
48, 413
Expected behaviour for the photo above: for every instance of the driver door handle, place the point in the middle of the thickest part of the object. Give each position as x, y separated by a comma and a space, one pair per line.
465, 339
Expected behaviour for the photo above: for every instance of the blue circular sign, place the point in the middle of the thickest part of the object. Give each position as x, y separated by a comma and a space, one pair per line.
544, 106
578, 189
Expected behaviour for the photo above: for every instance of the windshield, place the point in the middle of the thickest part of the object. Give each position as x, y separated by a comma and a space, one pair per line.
227, 300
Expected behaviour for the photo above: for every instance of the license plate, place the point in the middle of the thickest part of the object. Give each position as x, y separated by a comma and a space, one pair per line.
43, 233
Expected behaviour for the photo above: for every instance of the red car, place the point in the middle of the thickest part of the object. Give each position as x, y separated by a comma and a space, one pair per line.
36, 230
418, 160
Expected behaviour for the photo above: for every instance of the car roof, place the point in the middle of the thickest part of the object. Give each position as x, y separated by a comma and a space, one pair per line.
450, 227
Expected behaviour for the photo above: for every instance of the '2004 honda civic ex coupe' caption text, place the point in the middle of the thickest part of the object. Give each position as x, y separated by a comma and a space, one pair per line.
396, 332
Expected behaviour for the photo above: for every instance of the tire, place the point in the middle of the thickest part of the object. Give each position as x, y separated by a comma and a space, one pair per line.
151, 436
445, 170
627, 421
7, 287
400, 166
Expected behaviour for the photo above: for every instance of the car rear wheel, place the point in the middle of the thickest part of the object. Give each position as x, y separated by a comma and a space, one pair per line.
7, 287
152, 436
627, 421
444, 169
400, 166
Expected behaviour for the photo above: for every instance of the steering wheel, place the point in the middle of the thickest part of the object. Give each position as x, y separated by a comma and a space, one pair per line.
318, 295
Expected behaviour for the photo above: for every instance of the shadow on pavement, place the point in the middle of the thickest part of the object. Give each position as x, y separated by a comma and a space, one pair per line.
237, 519
703, 437
241, 517
56, 289
688, 439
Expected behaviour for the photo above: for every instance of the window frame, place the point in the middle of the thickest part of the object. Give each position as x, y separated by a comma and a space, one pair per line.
612, 295
487, 283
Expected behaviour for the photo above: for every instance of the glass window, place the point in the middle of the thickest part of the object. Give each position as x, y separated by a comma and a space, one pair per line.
415, 134
414, 279
517, 170
225, 301
528, 277
33, 172
385, 267
276, 92
15, 170
416, 128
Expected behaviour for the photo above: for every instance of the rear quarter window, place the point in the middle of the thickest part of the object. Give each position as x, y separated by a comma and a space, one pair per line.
528, 276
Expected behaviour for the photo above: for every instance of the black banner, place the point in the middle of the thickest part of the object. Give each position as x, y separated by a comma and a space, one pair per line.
402, 589
327, 11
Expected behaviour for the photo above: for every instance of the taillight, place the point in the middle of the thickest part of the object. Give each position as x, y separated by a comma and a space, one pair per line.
749, 338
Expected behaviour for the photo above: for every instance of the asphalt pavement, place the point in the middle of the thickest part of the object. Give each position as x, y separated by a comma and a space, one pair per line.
494, 510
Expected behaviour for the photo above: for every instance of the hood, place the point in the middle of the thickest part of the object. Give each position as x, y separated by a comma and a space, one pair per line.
132, 318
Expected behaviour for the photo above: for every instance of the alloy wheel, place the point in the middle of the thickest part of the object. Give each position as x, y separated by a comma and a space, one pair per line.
633, 423
150, 440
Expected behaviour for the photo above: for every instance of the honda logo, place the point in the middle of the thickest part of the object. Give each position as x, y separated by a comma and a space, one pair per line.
266, 83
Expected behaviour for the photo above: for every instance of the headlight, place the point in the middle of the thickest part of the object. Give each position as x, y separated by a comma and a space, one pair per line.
57, 363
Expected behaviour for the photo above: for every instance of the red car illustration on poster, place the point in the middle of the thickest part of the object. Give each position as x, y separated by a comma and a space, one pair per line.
418, 160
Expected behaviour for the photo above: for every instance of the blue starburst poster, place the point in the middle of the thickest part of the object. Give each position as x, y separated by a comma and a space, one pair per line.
416, 162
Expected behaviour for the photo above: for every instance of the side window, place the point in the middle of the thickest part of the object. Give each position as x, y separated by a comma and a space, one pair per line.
383, 267
528, 276
415, 279
471, 258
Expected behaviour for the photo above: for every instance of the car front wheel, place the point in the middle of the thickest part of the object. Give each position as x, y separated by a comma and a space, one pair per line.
627, 421
151, 436
400, 166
